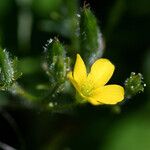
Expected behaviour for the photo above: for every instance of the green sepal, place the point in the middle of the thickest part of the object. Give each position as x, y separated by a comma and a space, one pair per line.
91, 42
134, 85
8, 70
80, 99
56, 61
56, 66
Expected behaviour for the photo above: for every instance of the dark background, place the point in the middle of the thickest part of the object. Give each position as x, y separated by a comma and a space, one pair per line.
125, 25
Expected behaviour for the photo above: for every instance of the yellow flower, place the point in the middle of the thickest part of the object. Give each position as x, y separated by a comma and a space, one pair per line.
91, 87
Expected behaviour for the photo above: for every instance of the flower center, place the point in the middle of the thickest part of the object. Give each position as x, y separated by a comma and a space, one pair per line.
86, 89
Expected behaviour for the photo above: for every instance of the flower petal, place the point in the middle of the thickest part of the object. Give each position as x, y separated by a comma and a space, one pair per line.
79, 72
109, 94
101, 72
70, 77
93, 101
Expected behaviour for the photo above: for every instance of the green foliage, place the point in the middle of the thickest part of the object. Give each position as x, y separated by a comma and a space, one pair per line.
134, 85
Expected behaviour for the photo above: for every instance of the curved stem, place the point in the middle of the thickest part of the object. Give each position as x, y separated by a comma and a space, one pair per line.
16, 89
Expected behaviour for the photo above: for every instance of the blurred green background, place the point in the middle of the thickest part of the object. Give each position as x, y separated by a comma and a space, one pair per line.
26, 25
